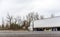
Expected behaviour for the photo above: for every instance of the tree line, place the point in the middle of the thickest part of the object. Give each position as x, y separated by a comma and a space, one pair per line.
16, 23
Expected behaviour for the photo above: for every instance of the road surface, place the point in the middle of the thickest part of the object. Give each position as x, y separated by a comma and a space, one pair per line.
29, 34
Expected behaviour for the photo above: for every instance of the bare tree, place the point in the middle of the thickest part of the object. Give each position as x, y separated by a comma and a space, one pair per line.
9, 19
7, 26
25, 25
19, 20
36, 16
15, 20
2, 22
31, 17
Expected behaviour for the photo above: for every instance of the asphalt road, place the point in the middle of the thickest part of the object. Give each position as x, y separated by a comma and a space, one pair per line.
29, 34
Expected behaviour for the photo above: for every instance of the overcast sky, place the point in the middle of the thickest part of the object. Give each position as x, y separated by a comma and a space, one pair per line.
23, 7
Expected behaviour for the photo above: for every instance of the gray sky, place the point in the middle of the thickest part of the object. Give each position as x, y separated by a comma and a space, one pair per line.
23, 7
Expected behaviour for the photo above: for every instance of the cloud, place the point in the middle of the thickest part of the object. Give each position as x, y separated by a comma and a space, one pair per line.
19, 6
23, 7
